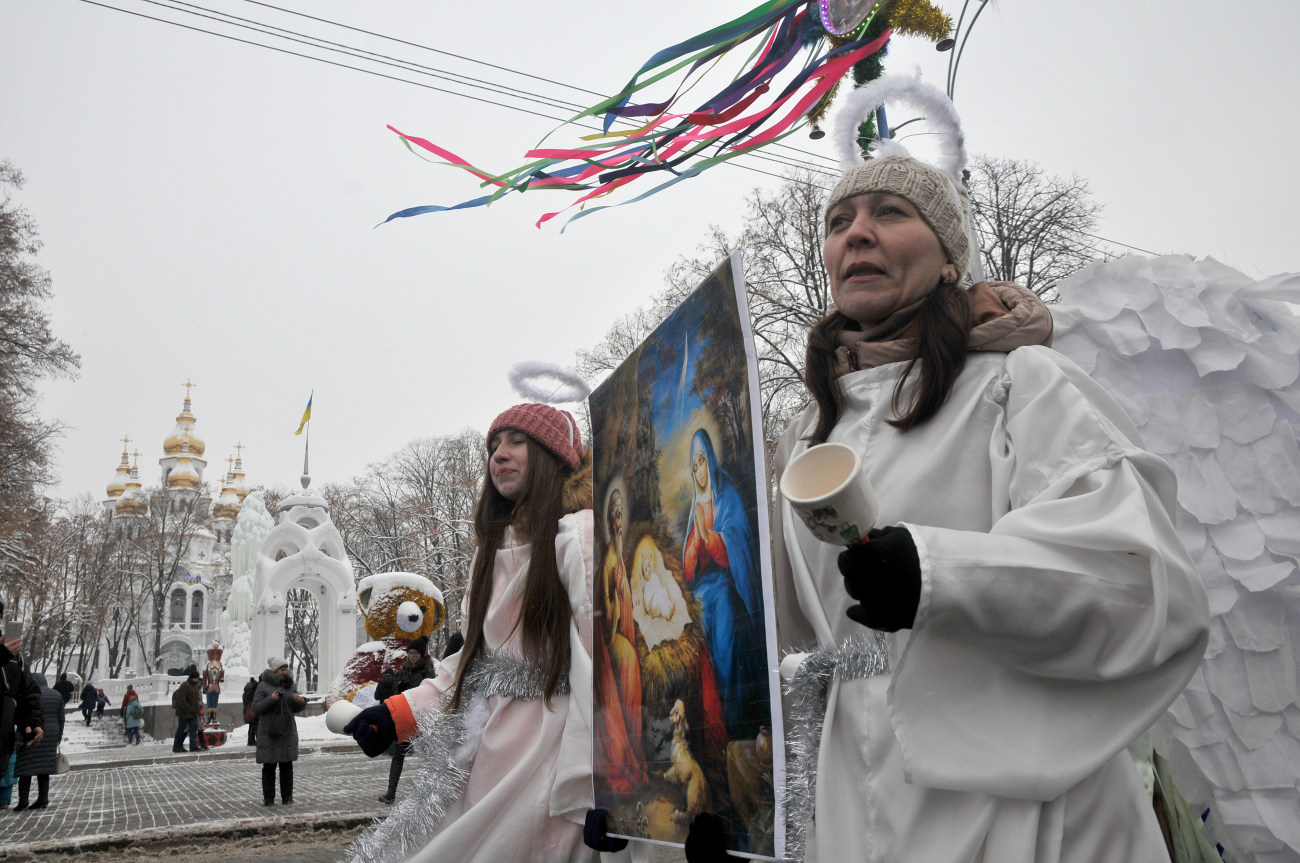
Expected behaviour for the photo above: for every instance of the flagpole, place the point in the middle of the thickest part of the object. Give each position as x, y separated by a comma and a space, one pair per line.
306, 450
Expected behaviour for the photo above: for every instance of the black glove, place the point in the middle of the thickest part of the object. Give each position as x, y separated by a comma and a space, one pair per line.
706, 840
373, 728
884, 575
595, 832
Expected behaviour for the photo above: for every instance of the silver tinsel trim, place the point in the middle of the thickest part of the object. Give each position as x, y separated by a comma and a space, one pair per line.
444, 737
865, 655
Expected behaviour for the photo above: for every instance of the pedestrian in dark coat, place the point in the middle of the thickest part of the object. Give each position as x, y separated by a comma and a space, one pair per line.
41, 759
89, 698
249, 688
275, 701
417, 666
64, 687
188, 706
23, 712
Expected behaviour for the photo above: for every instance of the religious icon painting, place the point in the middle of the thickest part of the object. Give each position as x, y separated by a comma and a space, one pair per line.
687, 699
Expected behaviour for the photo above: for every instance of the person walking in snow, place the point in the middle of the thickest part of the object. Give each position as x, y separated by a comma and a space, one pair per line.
134, 718
188, 706
249, 716
64, 687
40, 759
89, 698
275, 701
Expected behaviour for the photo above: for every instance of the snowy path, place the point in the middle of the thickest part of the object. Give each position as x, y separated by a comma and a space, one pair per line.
91, 805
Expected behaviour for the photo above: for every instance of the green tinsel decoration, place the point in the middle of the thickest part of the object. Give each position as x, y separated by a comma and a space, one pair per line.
869, 69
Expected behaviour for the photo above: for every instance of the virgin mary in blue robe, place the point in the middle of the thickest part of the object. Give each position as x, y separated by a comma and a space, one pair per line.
720, 567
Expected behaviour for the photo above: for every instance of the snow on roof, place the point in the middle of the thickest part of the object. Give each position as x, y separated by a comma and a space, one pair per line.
304, 499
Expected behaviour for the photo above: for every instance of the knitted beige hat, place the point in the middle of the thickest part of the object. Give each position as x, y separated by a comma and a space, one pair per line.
938, 196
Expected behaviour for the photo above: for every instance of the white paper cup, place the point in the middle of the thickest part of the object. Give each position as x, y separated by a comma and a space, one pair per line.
339, 715
790, 665
827, 486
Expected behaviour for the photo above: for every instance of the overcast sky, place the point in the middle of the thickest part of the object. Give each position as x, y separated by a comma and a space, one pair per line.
208, 207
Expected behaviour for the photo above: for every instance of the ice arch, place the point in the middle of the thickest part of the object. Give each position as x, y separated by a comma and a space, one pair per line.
304, 551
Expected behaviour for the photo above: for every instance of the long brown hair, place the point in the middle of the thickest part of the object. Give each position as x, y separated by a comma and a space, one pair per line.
942, 331
544, 622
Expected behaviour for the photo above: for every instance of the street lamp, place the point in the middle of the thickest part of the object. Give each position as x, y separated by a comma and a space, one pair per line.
958, 40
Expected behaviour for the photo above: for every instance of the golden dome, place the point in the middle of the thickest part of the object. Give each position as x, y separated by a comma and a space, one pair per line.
183, 475
132, 501
184, 432
228, 502
117, 484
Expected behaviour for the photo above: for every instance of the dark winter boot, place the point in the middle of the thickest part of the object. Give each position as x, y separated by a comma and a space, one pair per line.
42, 792
268, 784
394, 775
24, 790
286, 781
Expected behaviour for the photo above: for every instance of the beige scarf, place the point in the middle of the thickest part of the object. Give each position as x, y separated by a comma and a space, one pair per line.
1006, 316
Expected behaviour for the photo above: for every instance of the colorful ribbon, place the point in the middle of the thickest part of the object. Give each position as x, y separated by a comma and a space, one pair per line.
738, 119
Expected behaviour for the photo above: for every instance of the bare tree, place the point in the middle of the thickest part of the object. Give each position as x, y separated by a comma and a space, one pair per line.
786, 287
301, 637
29, 352
414, 512
1035, 229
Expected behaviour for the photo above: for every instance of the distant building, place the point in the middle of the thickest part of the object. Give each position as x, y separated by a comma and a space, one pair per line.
201, 578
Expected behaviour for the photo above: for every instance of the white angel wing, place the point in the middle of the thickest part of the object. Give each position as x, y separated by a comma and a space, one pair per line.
1207, 362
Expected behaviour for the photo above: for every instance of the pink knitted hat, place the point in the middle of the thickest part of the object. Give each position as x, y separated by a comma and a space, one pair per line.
553, 429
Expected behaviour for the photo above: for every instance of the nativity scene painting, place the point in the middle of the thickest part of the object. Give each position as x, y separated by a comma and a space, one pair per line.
685, 667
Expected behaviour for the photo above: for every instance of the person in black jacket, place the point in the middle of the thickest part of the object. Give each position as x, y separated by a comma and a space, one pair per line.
276, 700
417, 666
89, 698
20, 700
249, 688
64, 687
41, 759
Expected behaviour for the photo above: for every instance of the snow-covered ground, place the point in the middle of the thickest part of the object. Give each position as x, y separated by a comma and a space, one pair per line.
108, 733
310, 730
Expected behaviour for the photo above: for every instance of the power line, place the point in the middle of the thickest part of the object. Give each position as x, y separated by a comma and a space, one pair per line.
768, 157
456, 78
575, 87
361, 53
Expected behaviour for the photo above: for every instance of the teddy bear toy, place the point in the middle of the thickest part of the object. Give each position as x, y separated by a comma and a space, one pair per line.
398, 607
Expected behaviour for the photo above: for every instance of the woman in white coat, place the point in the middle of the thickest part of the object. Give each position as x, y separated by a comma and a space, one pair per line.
1026, 609
504, 729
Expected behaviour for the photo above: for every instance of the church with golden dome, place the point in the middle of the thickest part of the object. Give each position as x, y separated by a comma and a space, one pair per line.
181, 512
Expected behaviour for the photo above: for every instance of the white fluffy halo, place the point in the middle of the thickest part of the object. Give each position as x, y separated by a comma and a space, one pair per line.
548, 383
927, 98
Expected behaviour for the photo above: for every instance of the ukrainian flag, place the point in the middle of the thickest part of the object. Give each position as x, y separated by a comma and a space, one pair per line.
306, 415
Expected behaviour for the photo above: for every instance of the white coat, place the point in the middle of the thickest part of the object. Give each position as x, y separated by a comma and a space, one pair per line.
1059, 617
530, 785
